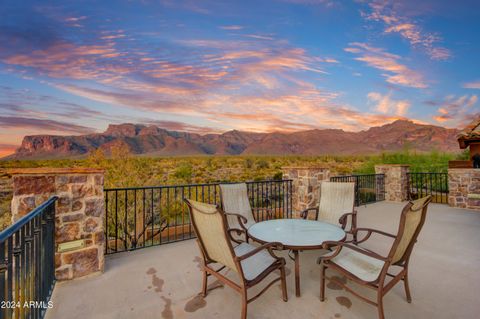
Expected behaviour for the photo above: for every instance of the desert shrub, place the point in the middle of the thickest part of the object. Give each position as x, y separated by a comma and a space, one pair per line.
262, 163
184, 171
278, 176
248, 163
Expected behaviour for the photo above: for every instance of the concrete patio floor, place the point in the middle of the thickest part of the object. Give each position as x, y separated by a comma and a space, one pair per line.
164, 281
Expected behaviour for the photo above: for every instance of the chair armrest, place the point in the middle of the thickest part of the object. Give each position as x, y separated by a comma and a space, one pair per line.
344, 218
369, 233
242, 220
304, 213
339, 245
267, 210
267, 246
238, 232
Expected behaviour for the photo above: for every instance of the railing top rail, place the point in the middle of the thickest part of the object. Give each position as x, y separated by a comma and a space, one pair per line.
356, 175
9, 231
193, 185
410, 173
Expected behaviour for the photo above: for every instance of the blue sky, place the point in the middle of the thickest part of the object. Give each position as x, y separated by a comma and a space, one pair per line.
73, 67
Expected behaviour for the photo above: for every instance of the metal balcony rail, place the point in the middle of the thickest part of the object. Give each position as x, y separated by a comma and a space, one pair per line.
137, 217
423, 184
369, 188
27, 263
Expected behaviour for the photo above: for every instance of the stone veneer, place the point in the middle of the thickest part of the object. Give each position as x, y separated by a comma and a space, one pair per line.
396, 181
463, 184
306, 185
79, 213
5, 193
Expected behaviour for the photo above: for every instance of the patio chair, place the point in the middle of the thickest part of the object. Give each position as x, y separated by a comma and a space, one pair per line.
336, 204
370, 269
251, 264
234, 198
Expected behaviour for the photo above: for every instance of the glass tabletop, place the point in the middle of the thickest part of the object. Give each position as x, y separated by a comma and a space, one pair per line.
296, 232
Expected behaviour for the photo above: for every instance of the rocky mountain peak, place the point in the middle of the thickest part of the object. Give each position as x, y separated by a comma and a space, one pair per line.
155, 141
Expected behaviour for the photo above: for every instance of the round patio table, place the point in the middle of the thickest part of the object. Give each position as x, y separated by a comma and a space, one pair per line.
296, 235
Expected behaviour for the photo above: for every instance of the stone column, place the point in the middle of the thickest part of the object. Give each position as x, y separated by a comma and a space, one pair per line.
5, 196
79, 214
306, 185
396, 181
464, 188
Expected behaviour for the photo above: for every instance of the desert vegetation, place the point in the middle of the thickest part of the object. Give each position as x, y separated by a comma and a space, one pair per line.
125, 170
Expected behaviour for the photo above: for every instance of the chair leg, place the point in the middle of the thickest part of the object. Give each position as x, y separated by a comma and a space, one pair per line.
322, 281
381, 315
284, 283
244, 303
407, 287
204, 285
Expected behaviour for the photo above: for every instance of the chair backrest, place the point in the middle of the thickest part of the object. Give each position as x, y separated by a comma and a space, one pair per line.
336, 199
411, 222
210, 227
235, 200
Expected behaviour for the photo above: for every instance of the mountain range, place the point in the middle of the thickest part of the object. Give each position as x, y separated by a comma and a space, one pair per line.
155, 141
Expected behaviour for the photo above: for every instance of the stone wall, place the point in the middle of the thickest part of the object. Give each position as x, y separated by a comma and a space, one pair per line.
306, 185
5, 199
464, 188
396, 181
79, 213
5, 186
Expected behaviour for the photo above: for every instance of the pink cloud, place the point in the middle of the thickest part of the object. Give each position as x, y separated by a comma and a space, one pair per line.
66, 60
397, 73
472, 85
388, 13
456, 111
387, 105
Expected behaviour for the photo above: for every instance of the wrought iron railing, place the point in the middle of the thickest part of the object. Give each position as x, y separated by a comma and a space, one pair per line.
369, 188
27, 264
137, 217
435, 184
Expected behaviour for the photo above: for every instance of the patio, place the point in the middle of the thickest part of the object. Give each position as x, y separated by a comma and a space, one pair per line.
164, 281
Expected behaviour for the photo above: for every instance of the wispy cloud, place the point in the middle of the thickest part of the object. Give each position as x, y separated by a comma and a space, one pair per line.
181, 126
28, 103
258, 36
257, 82
389, 12
67, 60
231, 27
130, 98
456, 111
472, 85
300, 110
387, 105
75, 19
378, 58
43, 125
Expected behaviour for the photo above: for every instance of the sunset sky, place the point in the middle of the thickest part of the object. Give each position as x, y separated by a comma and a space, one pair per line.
210, 66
